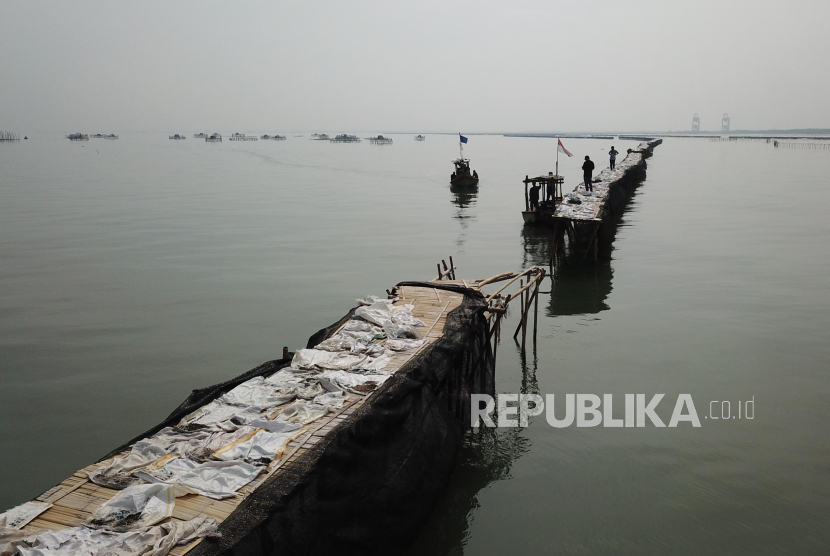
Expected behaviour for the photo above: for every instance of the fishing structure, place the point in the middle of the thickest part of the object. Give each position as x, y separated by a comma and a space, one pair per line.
344, 138
291, 453
380, 140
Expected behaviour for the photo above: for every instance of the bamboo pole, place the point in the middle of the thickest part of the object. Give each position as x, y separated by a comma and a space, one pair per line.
496, 278
524, 272
536, 309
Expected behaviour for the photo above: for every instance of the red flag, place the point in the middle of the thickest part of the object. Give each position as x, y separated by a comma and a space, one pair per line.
562, 148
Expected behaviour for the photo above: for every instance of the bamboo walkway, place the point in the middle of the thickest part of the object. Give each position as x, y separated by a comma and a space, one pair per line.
75, 499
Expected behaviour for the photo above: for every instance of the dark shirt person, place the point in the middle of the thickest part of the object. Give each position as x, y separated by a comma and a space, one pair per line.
613, 154
587, 172
534, 197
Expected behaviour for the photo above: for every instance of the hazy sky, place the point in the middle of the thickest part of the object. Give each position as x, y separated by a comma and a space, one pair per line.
412, 66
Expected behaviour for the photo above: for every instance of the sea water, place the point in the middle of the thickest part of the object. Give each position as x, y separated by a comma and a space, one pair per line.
137, 269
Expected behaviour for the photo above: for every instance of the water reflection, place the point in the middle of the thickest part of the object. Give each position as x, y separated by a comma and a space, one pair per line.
537, 241
580, 290
487, 456
464, 198
575, 289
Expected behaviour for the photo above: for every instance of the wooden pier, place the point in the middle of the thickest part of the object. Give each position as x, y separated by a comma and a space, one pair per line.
578, 219
366, 473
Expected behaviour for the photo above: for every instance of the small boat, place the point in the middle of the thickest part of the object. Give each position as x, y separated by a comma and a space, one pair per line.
241, 137
463, 175
78, 137
273, 137
214, 138
177, 137
343, 138
547, 192
319, 137
420, 138
380, 140
200, 135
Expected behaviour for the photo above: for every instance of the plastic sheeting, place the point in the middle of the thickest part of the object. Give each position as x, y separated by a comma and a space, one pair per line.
137, 506
158, 540
19, 516
214, 479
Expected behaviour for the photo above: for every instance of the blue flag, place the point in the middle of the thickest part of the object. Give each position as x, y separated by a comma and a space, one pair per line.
462, 138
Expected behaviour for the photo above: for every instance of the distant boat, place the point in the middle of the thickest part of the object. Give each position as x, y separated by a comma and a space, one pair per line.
241, 137
274, 137
101, 136
177, 137
319, 137
380, 140
200, 135
214, 138
343, 138
78, 137
420, 138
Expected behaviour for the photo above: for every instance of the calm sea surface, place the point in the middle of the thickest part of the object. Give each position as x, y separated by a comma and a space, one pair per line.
133, 271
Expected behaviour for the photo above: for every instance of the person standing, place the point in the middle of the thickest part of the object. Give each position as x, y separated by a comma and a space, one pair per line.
613, 154
587, 172
534, 196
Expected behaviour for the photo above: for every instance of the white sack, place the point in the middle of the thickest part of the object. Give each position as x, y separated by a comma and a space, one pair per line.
136, 507
214, 479
19, 516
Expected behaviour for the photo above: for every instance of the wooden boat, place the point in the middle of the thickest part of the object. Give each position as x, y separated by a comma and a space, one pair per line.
463, 176
177, 137
550, 196
420, 138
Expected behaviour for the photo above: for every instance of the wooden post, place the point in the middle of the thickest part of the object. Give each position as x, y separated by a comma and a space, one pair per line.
536, 307
496, 337
522, 305
525, 309
439, 270
452, 268
527, 199
285, 352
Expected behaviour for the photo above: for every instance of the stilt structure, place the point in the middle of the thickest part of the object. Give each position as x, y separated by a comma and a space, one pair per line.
578, 219
354, 437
